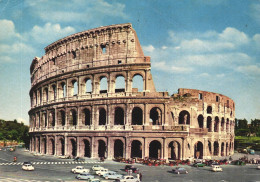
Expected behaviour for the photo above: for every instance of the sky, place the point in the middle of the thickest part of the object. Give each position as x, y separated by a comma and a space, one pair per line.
200, 44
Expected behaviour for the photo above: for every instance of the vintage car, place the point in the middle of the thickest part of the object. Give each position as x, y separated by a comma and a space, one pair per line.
84, 176
112, 175
80, 169
131, 167
216, 168
199, 164
27, 167
128, 178
97, 167
101, 171
180, 170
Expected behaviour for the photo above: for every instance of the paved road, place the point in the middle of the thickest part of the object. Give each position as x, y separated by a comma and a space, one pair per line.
49, 168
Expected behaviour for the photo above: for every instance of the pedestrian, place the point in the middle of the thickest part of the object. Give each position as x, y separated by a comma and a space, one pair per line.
140, 176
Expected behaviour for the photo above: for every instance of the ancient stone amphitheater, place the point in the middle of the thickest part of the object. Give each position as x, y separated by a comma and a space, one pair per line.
79, 109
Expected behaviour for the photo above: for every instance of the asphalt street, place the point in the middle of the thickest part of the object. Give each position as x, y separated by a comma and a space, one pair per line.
52, 169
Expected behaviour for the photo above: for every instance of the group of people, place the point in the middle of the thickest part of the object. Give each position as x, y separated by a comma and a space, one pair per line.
139, 176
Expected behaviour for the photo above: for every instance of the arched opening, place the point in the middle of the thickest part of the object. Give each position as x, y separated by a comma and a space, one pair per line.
209, 124
198, 150
61, 118
216, 124
44, 150
222, 124
52, 118
86, 117
155, 116
137, 116
52, 147
216, 148
222, 148
209, 146
88, 86
119, 116
184, 117
209, 110
174, 150
44, 119
200, 121
63, 86
120, 84
102, 116
73, 147
118, 148
46, 96
155, 150
38, 144
101, 148
74, 88
227, 151
103, 85
61, 145
54, 90
227, 125
87, 149
136, 149
73, 117
137, 85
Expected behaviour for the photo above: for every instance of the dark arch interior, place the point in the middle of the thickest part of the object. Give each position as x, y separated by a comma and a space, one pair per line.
209, 123
136, 149
119, 116
62, 143
184, 117
209, 110
155, 150
118, 148
174, 150
216, 148
86, 148
200, 121
101, 148
102, 117
198, 150
137, 116
154, 116
86, 117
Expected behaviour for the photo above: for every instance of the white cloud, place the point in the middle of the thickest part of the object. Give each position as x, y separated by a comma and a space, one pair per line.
249, 69
174, 69
148, 48
204, 75
50, 32
234, 36
221, 75
7, 30
256, 39
255, 11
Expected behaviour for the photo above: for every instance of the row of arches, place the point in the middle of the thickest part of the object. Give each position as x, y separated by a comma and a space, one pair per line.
136, 148
73, 87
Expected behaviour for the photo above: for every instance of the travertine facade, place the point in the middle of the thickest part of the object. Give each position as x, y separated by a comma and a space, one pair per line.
77, 109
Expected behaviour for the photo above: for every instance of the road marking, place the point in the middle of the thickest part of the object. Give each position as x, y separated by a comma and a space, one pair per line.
53, 163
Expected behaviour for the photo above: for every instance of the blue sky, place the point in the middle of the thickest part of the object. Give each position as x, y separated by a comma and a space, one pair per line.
202, 44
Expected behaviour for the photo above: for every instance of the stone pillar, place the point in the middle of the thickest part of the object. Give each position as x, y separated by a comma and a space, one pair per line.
93, 153
109, 148
146, 148
78, 146
66, 153
146, 118
145, 81
164, 156
127, 153
55, 144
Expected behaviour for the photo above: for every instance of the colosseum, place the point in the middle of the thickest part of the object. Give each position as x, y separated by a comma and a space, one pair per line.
92, 95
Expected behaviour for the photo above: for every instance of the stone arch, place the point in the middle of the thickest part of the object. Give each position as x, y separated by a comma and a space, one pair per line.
222, 149
136, 149
184, 117
216, 148
102, 116
102, 148
87, 148
51, 145
52, 118
227, 151
61, 147
103, 86
200, 121
137, 82
45, 95
53, 92
86, 117
155, 149
222, 123
73, 117
198, 150
119, 116
209, 110
174, 150
137, 116
227, 125
118, 148
44, 146
216, 124
209, 124
209, 147
63, 90
156, 116
61, 118
120, 83
72, 148
88, 85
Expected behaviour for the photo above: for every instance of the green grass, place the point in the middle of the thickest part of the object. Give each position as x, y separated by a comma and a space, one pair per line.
243, 139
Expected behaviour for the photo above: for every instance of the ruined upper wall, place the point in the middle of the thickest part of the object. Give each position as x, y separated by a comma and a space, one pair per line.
99, 47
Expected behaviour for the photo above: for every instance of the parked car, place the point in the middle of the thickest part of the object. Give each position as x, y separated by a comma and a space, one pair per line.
214, 164
27, 162
180, 170
131, 167
258, 167
27, 167
84, 176
101, 171
63, 157
128, 178
216, 168
80, 169
112, 175
97, 167
199, 164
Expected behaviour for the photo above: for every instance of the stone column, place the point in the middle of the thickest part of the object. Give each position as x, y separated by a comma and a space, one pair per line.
164, 153
109, 148
92, 144
78, 146
127, 153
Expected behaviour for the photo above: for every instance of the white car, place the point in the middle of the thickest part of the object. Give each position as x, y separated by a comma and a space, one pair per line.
112, 175
128, 178
27, 167
216, 168
101, 172
80, 169
97, 167
258, 167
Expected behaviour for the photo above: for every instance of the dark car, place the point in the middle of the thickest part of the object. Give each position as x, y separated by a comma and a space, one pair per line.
180, 170
27, 162
131, 167
79, 159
